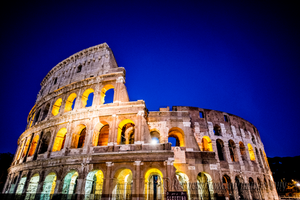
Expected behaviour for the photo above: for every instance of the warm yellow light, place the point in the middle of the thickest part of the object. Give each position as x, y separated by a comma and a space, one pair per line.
59, 139
206, 144
103, 91
69, 102
85, 96
251, 152
56, 107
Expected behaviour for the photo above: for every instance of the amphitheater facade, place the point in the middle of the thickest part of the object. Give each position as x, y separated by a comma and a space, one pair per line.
79, 146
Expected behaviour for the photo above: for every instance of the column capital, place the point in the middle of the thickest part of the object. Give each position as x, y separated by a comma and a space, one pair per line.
109, 164
137, 162
120, 79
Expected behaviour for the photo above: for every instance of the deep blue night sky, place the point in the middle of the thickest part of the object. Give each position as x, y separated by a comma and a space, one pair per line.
240, 57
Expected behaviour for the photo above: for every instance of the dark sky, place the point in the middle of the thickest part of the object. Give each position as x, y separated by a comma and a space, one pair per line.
240, 57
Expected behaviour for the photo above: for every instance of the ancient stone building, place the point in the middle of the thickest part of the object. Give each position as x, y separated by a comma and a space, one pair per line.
76, 145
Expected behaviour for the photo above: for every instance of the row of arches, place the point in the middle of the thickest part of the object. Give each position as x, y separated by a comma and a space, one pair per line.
87, 99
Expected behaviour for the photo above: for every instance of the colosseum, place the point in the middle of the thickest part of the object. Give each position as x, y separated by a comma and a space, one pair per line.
79, 145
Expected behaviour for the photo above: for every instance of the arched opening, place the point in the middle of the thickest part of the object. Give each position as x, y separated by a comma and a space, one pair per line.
266, 185
243, 151
45, 142
206, 144
262, 158
13, 185
228, 186
33, 145
70, 103
32, 187
87, 98
21, 185
205, 188
56, 107
78, 137
232, 151
122, 185
31, 116
45, 112
183, 180
20, 149
253, 139
70, 183
26, 148
49, 186
155, 137
217, 130
251, 152
221, 150
176, 137
94, 185
107, 94
59, 141
253, 189
239, 181
154, 189
258, 157
36, 118
101, 133
126, 131
260, 188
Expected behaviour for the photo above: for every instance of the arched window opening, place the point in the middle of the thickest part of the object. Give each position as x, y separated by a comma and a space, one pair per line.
30, 117
31, 120
45, 143
70, 103
26, 147
262, 158
49, 186
126, 132
94, 185
155, 137
79, 69
270, 184
220, 148
32, 187
176, 137
251, 152
258, 157
103, 136
253, 139
56, 107
123, 184
20, 149
21, 185
228, 186
253, 189
107, 94
78, 137
33, 145
82, 138
243, 151
183, 180
154, 189
266, 184
87, 98
239, 183
206, 144
205, 188
45, 112
36, 118
217, 130
59, 141
70, 183
226, 118
201, 115
232, 151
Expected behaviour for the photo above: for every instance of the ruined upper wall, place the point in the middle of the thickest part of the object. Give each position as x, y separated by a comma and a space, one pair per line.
90, 62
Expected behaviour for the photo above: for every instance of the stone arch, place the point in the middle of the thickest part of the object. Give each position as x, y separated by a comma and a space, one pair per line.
49, 186
32, 186
217, 130
70, 102
45, 111
20, 149
56, 107
126, 131
253, 188
33, 145
258, 157
243, 150
251, 152
59, 141
232, 151
36, 117
178, 134
122, 186
103, 92
26, 147
70, 183
85, 97
94, 184
78, 137
206, 144
184, 182
239, 182
21, 185
101, 134
155, 136
153, 184
221, 150
227, 183
205, 187
45, 140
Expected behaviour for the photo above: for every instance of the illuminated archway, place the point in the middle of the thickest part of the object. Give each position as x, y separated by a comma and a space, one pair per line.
94, 185
49, 186
154, 184
33, 145
21, 185
59, 141
56, 107
20, 149
45, 142
243, 151
101, 133
122, 185
70, 183
228, 186
205, 187
85, 97
32, 187
155, 136
70, 102
78, 138
126, 132
103, 92
178, 134
232, 151
26, 148
239, 181
184, 183
221, 150
206, 144
251, 152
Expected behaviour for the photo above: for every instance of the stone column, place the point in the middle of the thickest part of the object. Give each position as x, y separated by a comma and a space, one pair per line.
53, 135
107, 181
17, 182
138, 127
112, 138
6, 183
120, 94
138, 193
214, 146
26, 182
227, 153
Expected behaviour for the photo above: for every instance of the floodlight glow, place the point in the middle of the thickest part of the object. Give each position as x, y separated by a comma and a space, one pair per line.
154, 141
